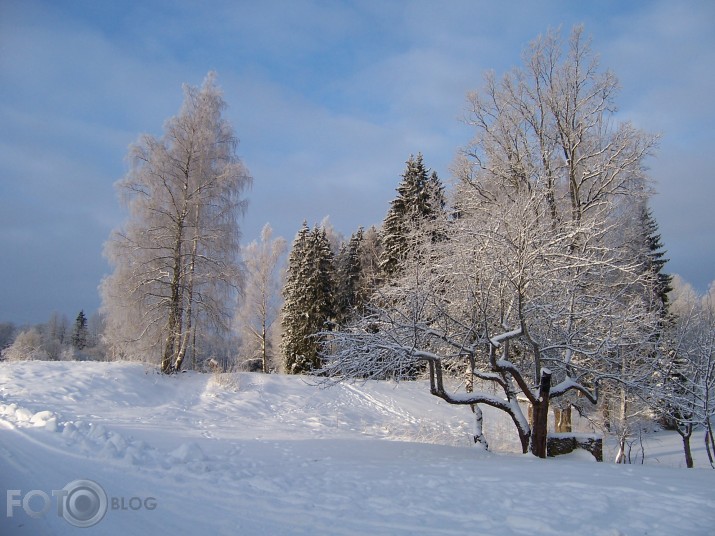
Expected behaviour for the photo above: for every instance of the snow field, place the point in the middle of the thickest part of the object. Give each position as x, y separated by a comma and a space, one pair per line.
257, 454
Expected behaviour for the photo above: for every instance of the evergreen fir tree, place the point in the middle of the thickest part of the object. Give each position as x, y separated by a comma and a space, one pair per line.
349, 272
420, 199
655, 258
325, 277
674, 364
294, 325
309, 305
79, 334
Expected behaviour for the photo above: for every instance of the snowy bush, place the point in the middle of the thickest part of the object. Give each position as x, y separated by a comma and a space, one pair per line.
27, 345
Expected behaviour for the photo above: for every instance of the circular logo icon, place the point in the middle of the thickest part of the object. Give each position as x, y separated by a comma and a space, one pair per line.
84, 503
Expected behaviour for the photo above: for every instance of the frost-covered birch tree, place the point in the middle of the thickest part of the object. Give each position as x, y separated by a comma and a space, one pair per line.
532, 289
261, 300
176, 260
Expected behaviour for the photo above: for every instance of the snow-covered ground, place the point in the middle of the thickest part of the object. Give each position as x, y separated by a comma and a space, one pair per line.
254, 454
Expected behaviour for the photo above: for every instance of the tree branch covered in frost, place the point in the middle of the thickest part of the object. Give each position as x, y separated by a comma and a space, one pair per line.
685, 394
532, 281
176, 270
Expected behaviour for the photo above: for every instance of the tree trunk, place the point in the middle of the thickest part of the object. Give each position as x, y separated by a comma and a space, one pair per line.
624, 432
176, 320
686, 446
264, 349
562, 420
709, 442
541, 416
174, 311
479, 439
606, 412
185, 339
193, 349
192, 268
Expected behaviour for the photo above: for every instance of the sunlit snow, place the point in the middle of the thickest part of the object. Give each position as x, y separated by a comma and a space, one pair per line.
268, 454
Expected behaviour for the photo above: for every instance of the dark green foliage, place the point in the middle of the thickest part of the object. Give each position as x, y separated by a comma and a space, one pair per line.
420, 200
673, 365
350, 291
79, 333
309, 304
655, 260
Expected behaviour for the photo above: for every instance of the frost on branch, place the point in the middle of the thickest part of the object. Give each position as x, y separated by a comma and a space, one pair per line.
533, 286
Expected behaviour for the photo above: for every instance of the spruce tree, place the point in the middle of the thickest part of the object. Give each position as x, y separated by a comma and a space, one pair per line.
350, 296
309, 304
324, 276
79, 334
420, 199
655, 259
294, 325
674, 364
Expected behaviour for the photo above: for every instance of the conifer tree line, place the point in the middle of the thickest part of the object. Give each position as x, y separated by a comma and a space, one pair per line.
327, 288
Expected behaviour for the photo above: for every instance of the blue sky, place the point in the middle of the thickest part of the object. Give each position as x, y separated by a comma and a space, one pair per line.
328, 99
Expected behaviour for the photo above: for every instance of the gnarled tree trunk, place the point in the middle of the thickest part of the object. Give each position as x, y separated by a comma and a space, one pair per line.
539, 428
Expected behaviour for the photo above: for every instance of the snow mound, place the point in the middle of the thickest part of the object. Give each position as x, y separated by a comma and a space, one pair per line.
22, 417
188, 452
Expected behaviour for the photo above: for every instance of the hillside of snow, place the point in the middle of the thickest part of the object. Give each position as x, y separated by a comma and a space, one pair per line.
244, 454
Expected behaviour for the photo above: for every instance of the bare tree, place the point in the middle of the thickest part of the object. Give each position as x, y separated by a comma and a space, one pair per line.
532, 289
57, 328
370, 253
261, 301
176, 259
